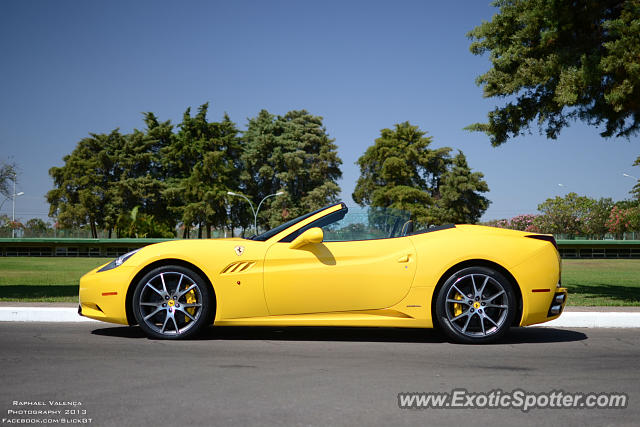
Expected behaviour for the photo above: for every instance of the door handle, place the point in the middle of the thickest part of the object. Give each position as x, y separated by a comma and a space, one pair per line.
404, 258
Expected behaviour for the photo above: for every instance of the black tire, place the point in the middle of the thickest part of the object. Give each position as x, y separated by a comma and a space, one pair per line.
173, 302
486, 309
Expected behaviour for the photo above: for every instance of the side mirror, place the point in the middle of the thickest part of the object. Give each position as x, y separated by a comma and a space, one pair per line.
312, 235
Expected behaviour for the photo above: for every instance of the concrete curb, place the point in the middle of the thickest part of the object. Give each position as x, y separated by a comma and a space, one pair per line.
41, 314
571, 319
595, 319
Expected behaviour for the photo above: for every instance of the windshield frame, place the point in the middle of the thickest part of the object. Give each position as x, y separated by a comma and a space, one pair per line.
269, 234
397, 229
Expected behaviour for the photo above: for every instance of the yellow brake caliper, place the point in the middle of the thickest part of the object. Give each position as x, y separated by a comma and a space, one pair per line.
191, 299
457, 308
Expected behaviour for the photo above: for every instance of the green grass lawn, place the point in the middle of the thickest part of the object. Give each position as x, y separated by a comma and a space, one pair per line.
590, 282
43, 279
606, 282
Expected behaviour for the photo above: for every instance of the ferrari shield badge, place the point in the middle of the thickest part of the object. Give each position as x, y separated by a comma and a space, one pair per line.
239, 250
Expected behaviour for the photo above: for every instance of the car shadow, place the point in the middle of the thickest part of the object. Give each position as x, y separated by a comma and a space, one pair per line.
320, 333
532, 335
346, 334
120, 332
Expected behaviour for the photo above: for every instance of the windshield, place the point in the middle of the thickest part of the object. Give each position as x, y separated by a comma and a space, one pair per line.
269, 234
357, 223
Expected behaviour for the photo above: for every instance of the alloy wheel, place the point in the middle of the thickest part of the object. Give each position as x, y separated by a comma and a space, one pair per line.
170, 303
477, 305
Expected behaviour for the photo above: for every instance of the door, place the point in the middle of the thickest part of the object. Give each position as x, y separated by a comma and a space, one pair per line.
338, 276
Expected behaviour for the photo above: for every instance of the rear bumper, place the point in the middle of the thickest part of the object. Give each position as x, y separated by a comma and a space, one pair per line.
547, 306
539, 279
557, 304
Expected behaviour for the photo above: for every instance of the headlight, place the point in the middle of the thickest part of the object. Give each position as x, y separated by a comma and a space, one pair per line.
118, 261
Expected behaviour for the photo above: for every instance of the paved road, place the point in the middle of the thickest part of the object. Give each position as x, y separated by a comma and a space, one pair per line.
296, 376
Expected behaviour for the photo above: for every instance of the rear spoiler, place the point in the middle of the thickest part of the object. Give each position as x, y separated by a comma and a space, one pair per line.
546, 237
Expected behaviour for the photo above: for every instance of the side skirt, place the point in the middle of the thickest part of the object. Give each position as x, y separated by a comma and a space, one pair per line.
369, 318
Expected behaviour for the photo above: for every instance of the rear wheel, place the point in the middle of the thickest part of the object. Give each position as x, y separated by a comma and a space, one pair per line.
476, 305
172, 302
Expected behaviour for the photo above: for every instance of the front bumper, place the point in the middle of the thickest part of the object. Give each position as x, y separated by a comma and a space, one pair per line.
102, 295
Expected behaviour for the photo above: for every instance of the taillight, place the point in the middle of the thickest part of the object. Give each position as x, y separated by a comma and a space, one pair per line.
545, 237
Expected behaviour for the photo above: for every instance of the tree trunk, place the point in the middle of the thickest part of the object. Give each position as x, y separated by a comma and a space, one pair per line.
110, 229
208, 231
199, 230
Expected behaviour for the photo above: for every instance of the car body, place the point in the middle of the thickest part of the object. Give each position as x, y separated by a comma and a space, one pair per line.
297, 275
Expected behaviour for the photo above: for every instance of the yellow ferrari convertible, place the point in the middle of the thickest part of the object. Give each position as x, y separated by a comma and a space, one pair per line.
333, 267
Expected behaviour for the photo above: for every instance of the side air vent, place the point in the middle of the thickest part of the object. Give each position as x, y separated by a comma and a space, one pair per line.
238, 267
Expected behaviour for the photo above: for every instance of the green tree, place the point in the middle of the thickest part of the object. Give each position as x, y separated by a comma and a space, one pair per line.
596, 217
564, 215
203, 163
139, 182
636, 188
104, 178
626, 204
621, 220
262, 159
524, 222
7, 176
7, 226
161, 137
294, 154
634, 219
561, 60
400, 171
83, 186
36, 227
460, 199
167, 177
629, 210
140, 225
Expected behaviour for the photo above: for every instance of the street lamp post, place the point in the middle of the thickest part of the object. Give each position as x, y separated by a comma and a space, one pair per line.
255, 211
13, 214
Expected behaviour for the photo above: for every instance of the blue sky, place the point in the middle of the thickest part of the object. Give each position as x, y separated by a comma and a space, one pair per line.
73, 67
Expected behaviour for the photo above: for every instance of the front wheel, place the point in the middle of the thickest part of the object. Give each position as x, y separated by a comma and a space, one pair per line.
476, 305
172, 302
